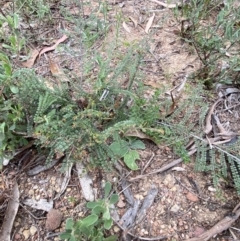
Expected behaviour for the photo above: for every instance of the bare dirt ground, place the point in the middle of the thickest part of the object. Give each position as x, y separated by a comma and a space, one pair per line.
185, 205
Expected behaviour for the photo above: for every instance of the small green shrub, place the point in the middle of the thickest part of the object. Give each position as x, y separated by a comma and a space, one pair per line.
212, 28
11, 113
94, 226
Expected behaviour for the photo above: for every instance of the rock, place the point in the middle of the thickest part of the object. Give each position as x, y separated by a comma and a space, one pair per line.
54, 219
198, 231
31, 192
26, 234
212, 189
33, 230
191, 197
121, 204
116, 229
17, 236
175, 208
169, 181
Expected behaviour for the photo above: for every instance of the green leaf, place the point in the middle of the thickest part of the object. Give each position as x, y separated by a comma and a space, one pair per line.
129, 159
138, 144
119, 148
65, 235
2, 136
106, 214
111, 238
69, 223
15, 21
2, 126
98, 210
14, 89
72, 238
114, 198
93, 204
108, 224
8, 69
107, 189
89, 220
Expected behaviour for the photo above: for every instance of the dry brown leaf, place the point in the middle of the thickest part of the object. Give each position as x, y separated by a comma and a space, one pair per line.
44, 50
149, 23
30, 62
192, 197
153, 84
125, 26
134, 21
57, 71
165, 4
208, 126
138, 133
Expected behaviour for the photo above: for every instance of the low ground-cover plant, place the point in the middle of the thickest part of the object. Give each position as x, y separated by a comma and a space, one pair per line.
212, 28
94, 226
65, 118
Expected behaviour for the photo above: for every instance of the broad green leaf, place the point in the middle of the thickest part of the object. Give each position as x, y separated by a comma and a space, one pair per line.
119, 148
129, 159
14, 89
69, 223
137, 144
64, 236
93, 204
8, 69
12, 127
106, 214
89, 220
108, 224
72, 238
98, 210
107, 189
2, 136
15, 20
114, 198
111, 238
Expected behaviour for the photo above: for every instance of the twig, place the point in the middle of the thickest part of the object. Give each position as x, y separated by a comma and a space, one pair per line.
222, 225
148, 163
139, 237
164, 168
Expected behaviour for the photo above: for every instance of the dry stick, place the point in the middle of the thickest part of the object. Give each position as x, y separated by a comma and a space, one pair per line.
139, 237
222, 225
148, 163
164, 168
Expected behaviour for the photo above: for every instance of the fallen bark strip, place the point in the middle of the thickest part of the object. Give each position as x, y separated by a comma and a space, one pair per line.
127, 192
164, 168
10, 215
147, 203
222, 225
127, 220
